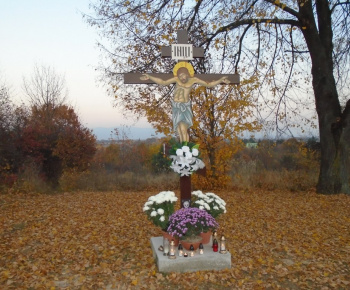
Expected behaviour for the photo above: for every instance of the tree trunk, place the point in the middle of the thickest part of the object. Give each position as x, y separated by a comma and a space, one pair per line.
344, 149
333, 124
334, 132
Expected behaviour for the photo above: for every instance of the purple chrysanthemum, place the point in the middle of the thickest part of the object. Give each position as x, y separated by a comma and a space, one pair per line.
190, 221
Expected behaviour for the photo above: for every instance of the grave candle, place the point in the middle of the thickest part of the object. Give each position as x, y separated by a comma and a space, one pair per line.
215, 245
201, 249
191, 251
181, 250
223, 245
165, 246
172, 250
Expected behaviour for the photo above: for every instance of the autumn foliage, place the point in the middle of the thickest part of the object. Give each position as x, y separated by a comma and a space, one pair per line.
47, 141
277, 239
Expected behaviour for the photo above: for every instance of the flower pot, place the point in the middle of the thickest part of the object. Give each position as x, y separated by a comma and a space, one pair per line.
195, 241
170, 237
206, 237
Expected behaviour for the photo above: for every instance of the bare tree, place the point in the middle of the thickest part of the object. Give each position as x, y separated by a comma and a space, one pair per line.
6, 107
292, 47
45, 88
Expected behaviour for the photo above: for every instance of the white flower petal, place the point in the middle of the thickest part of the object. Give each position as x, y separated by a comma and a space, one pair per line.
185, 149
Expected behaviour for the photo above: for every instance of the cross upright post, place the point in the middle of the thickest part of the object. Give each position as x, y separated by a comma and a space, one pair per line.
182, 45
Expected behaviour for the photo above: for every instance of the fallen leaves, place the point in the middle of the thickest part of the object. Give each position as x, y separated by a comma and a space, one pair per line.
101, 241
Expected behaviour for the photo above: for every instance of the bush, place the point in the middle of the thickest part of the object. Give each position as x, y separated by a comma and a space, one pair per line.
31, 180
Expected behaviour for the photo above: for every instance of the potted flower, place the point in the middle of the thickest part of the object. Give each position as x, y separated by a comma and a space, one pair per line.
188, 223
212, 204
209, 202
159, 207
185, 158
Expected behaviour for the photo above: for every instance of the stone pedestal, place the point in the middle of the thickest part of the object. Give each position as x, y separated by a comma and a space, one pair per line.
208, 261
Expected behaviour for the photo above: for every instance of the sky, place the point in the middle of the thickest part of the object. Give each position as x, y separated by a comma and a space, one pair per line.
53, 33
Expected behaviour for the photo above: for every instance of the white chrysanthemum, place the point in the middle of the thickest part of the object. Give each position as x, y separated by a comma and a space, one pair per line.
159, 200
151, 198
179, 152
224, 203
162, 218
154, 213
200, 194
197, 192
201, 207
200, 202
215, 207
195, 152
160, 211
173, 198
207, 206
145, 208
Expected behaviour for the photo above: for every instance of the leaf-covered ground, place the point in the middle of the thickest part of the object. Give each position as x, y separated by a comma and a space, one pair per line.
101, 241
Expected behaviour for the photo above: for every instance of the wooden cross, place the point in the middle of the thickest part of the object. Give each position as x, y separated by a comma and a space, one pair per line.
181, 52
198, 52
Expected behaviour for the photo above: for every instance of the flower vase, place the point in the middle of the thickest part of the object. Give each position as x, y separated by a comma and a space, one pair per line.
170, 237
206, 237
195, 241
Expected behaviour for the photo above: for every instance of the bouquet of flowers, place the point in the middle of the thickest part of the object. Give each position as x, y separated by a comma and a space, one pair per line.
209, 202
189, 222
185, 159
159, 207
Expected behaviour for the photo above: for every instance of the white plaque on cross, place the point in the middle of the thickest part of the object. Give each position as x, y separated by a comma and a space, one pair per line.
182, 51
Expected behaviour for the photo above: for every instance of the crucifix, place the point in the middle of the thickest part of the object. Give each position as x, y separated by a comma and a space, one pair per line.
184, 79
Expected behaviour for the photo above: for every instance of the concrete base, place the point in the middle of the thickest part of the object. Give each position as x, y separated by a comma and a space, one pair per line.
208, 261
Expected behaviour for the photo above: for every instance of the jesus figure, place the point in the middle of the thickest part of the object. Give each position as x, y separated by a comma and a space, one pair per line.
181, 104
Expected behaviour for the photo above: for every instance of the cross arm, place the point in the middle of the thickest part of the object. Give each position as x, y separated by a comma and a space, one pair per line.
233, 78
135, 78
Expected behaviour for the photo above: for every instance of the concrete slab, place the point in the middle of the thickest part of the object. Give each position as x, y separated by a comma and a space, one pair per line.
208, 261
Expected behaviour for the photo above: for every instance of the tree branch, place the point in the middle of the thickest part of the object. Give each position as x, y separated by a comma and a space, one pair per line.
284, 7
196, 9
250, 21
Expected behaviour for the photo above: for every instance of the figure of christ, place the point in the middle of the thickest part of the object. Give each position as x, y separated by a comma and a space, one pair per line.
181, 104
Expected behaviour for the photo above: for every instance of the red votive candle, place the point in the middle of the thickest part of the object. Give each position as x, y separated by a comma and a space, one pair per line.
215, 245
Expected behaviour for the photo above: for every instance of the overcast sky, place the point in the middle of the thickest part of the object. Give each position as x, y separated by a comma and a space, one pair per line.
53, 33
